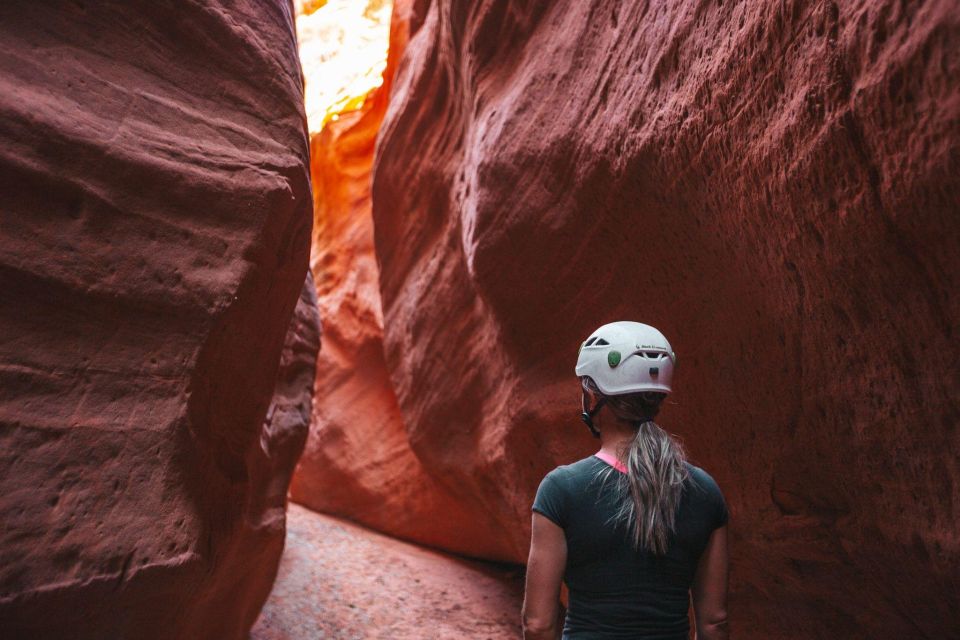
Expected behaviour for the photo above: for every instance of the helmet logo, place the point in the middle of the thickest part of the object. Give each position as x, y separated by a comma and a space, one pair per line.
613, 358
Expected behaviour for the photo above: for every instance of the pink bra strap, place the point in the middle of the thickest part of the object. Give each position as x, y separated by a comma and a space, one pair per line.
610, 460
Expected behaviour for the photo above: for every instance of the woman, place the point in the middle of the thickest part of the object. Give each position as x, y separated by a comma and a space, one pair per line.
634, 530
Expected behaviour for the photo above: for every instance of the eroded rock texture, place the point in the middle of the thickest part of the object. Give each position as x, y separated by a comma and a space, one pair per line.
775, 185
155, 235
358, 461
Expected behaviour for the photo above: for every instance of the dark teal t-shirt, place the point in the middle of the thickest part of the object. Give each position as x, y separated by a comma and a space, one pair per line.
617, 591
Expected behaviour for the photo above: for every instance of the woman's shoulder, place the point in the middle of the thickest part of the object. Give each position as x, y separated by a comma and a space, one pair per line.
580, 467
702, 479
574, 472
707, 495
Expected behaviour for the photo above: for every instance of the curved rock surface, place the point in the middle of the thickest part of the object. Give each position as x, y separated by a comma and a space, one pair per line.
155, 236
776, 185
358, 461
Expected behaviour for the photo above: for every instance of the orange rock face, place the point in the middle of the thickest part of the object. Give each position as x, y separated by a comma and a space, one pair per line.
155, 237
358, 461
775, 186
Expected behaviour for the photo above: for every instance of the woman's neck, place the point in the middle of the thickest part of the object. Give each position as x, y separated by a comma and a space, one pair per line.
615, 440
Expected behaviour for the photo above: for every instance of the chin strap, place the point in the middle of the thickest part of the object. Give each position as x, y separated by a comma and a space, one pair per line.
588, 413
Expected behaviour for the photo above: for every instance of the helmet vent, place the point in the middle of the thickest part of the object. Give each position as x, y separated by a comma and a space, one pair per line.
652, 355
600, 343
591, 341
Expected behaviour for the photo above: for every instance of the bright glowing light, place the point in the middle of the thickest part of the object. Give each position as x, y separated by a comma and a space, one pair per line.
343, 50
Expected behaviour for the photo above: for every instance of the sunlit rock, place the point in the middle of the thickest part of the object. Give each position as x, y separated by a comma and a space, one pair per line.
358, 462
343, 49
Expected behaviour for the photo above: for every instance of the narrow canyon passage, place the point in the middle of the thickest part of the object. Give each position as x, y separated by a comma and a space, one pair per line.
292, 291
340, 581
756, 178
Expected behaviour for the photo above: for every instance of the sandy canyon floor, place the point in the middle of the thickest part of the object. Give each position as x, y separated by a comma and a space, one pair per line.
340, 581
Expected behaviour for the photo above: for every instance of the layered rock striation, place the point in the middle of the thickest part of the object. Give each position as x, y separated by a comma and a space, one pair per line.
775, 186
155, 237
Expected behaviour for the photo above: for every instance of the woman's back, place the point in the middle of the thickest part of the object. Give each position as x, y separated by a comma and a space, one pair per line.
617, 591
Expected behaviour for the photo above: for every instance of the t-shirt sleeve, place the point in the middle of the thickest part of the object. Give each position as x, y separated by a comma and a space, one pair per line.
723, 516
714, 506
720, 514
551, 499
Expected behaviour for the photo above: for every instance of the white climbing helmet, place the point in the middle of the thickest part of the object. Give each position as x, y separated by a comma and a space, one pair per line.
627, 357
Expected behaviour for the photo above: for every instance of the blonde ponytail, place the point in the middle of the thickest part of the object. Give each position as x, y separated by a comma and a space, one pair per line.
653, 485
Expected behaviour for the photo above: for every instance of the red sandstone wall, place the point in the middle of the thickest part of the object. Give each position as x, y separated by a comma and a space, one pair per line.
773, 184
155, 233
358, 461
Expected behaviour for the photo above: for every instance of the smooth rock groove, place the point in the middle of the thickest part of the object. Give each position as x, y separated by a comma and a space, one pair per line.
775, 185
155, 237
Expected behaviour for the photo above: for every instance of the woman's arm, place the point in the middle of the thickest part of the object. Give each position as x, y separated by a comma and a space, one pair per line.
710, 589
548, 557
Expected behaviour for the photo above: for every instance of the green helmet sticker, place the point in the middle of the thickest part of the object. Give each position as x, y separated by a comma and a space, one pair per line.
613, 357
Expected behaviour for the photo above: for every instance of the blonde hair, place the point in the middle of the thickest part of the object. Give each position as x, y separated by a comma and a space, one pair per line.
651, 490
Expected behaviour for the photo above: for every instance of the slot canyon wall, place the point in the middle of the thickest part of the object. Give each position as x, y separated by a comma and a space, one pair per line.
773, 184
358, 462
156, 367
